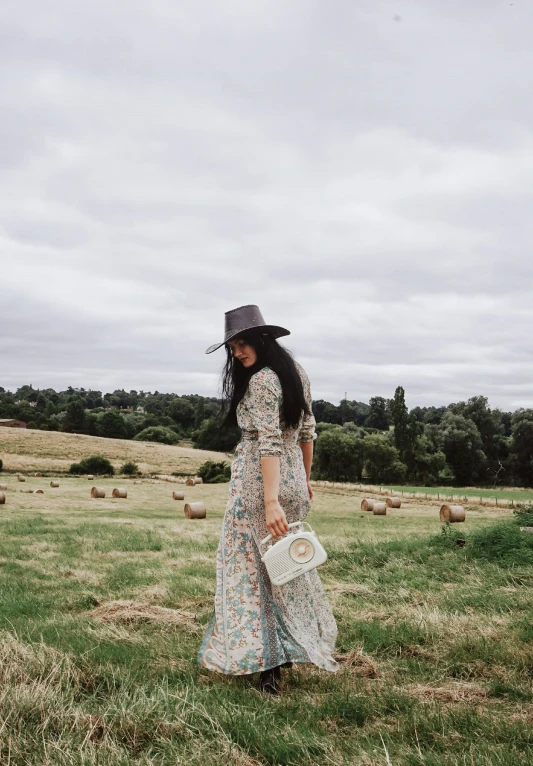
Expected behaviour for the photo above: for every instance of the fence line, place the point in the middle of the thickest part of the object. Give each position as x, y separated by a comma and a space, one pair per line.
495, 501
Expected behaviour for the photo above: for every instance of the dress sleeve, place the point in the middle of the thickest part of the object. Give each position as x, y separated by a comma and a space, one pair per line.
266, 397
307, 429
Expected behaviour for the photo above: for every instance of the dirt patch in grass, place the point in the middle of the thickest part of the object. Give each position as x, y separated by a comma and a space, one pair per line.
131, 612
358, 664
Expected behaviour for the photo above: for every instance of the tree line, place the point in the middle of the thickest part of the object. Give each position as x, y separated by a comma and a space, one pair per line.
382, 441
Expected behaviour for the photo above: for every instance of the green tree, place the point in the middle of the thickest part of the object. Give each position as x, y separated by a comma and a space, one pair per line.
211, 436
111, 425
382, 460
158, 434
75, 417
522, 446
338, 456
459, 439
378, 416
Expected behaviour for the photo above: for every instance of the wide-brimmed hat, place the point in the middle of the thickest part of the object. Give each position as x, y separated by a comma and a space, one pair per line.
245, 319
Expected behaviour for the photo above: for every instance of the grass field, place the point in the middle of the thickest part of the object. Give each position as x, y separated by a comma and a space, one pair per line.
436, 640
49, 451
519, 494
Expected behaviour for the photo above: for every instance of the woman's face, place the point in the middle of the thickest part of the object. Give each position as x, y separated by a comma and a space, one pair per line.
242, 351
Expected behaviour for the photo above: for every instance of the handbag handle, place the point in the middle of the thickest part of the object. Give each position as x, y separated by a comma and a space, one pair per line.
294, 524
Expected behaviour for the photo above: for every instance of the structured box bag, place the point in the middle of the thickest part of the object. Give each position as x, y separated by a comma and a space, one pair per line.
296, 553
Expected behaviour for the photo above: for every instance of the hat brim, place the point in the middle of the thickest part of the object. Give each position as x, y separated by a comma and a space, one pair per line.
277, 332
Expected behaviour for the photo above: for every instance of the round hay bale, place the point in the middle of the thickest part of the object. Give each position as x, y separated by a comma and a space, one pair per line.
90, 477
194, 510
178, 495
190, 482
198, 480
367, 505
39, 491
452, 513
2, 498
21, 478
97, 492
3, 486
379, 509
54, 484
393, 502
37, 475
120, 492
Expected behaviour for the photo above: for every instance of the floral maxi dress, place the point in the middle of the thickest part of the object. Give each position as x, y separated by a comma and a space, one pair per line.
257, 625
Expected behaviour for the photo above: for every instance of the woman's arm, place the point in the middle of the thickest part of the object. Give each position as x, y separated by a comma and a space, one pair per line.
275, 518
307, 454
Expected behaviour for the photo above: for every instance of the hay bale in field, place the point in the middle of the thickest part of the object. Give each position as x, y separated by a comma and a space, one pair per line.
393, 502
39, 491
198, 480
189, 482
452, 513
120, 492
97, 492
54, 484
195, 511
2, 498
37, 475
178, 495
379, 509
90, 477
3, 486
21, 478
367, 505
137, 482
155, 481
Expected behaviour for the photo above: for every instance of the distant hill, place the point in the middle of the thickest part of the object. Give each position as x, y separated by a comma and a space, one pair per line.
53, 452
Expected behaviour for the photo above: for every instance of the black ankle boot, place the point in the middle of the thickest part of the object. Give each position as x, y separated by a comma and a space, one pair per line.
269, 680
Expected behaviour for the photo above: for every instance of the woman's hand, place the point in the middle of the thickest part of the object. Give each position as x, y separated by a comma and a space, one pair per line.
310, 490
276, 520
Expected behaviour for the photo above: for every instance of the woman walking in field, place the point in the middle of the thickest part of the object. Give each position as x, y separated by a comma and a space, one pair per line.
257, 626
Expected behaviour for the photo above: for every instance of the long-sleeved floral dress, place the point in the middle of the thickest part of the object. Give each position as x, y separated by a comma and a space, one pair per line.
257, 625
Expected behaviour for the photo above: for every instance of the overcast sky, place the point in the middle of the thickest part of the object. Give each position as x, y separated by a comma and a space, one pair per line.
361, 169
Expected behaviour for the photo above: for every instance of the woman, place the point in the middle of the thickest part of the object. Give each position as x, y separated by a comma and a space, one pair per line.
257, 626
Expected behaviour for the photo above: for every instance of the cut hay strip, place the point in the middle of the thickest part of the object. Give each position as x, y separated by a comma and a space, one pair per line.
178, 495
194, 510
358, 664
393, 502
454, 692
379, 509
97, 492
452, 513
367, 505
54, 484
120, 492
137, 612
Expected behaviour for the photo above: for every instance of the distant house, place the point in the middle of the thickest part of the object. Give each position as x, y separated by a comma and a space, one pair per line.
12, 423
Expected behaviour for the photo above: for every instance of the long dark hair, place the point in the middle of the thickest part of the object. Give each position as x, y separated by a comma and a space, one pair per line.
235, 378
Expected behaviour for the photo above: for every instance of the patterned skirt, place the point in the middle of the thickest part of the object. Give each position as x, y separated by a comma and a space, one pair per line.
256, 625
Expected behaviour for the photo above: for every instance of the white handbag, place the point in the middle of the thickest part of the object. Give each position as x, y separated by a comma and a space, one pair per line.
293, 555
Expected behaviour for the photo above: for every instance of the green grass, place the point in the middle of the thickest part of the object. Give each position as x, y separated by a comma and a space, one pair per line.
445, 630
519, 494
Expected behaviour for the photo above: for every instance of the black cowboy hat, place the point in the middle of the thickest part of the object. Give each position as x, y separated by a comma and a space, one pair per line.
245, 319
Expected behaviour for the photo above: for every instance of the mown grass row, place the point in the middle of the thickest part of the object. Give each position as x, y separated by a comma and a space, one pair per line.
436, 639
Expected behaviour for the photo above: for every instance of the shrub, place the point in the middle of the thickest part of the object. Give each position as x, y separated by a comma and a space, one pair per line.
158, 434
129, 469
215, 473
97, 464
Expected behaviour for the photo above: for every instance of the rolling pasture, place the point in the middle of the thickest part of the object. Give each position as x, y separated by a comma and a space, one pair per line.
103, 604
